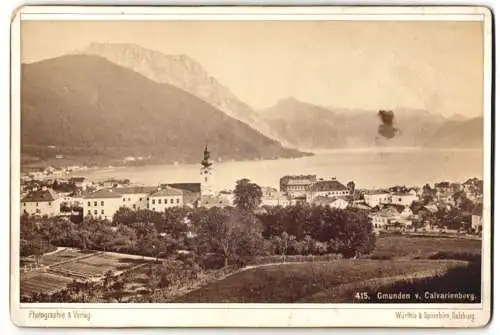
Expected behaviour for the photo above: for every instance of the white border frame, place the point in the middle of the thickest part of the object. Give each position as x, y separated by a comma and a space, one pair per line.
247, 315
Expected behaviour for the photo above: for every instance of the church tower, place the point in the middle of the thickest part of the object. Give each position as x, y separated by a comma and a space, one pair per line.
206, 173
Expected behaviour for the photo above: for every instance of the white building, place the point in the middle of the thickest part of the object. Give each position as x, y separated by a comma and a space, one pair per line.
102, 204
42, 202
376, 198
392, 217
327, 188
135, 197
165, 198
405, 199
80, 182
296, 186
477, 219
339, 204
227, 195
273, 197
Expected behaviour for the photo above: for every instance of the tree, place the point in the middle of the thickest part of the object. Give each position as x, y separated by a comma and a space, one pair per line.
427, 191
283, 241
247, 195
230, 232
462, 202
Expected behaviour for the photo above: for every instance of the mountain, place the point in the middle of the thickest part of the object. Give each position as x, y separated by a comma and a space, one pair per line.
180, 71
457, 117
304, 125
315, 127
458, 134
87, 106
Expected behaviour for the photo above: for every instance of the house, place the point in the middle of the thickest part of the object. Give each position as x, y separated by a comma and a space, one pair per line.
165, 198
102, 204
414, 191
298, 200
296, 186
405, 199
327, 188
227, 195
273, 197
446, 190
432, 208
477, 219
377, 197
191, 192
392, 217
210, 201
339, 203
80, 182
135, 197
382, 219
43, 201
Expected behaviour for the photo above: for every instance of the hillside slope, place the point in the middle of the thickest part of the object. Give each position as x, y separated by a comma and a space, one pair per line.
88, 106
180, 71
306, 125
458, 134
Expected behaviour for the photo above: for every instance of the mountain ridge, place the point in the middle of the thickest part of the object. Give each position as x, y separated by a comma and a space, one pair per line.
89, 99
312, 126
183, 72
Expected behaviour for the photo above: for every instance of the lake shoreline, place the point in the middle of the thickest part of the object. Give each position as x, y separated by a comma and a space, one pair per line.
367, 169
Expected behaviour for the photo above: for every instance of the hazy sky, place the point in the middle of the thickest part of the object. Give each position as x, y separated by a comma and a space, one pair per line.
436, 66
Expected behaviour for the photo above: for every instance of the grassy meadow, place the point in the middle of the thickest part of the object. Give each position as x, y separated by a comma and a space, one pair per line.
398, 264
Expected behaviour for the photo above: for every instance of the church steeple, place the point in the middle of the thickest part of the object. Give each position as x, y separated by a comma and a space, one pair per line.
206, 163
206, 172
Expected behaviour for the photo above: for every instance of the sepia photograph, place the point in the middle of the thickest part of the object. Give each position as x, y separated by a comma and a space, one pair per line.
301, 157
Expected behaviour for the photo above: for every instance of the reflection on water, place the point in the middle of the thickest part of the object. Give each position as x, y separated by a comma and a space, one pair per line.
366, 168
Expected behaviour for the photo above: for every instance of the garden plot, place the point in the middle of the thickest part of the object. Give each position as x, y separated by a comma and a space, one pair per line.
97, 265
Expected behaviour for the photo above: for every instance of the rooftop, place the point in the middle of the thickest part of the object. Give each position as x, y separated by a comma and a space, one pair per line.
402, 194
376, 192
388, 212
167, 192
191, 187
399, 208
40, 195
136, 190
105, 193
328, 185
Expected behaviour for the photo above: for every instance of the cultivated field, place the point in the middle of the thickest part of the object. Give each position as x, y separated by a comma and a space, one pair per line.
38, 281
69, 265
395, 260
65, 254
97, 265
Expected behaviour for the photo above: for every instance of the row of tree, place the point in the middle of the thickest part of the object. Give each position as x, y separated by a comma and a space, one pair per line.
231, 233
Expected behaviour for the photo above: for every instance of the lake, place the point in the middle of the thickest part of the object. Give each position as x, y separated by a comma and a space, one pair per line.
368, 169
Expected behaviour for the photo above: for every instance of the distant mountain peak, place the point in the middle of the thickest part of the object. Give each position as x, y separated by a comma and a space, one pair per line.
182, 71
95, 108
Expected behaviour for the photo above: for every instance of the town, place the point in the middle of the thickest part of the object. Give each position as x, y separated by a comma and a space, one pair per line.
444, 207
113, 241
